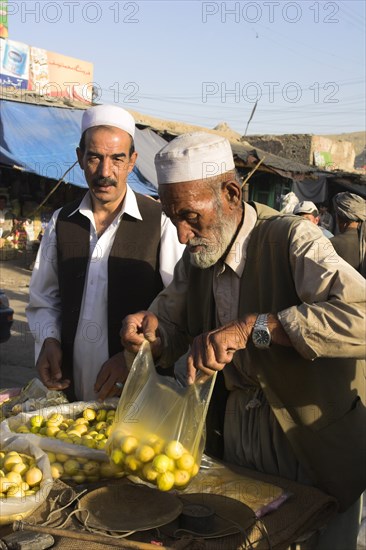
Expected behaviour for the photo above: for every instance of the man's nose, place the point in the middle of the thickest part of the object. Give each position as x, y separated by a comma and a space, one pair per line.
185, 232
105, 167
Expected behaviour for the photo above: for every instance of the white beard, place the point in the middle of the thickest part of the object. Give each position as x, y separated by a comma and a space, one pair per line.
213, 249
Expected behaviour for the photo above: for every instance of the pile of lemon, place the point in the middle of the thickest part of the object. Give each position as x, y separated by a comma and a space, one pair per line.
90, 428
167, 464
19, 475
81, 470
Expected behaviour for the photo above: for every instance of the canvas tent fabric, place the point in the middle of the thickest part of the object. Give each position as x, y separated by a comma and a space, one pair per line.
315, 190
42, 140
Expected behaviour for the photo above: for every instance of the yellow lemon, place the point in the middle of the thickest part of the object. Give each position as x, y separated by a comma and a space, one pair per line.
132, 463
81, 420
91, 468
54, 420
181, 478
129, 444
185, 462
51, 431
81, 429
15, 477
149, 473
33, 476
101, 426
61, 457
108, 430
10, 460
107, 469
155, 442
195, 470
61, 435
22, 429
19, 468
34, 430
37, 421
174, 449
161, 463
57, 470
89, 414
51, 456
117, 457
79, 478
145, 453
165, 481
90, 443
101, 415
71, 467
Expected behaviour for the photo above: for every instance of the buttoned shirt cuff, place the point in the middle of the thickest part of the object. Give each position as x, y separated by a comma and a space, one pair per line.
299, 333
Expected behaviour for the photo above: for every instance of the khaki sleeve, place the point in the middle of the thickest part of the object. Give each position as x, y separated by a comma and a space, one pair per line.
331, 321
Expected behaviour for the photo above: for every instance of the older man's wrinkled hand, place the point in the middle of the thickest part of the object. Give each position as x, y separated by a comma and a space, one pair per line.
213, 350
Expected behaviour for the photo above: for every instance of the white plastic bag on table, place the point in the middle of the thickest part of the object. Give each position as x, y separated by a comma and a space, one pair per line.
17, 508
9, 426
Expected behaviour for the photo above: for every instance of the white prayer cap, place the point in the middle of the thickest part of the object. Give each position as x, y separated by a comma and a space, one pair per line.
306, 207
193, 156
108, 115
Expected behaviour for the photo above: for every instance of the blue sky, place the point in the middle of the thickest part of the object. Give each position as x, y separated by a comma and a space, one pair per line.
208, 62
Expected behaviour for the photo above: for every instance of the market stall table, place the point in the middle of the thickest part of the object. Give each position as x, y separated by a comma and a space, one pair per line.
280, 512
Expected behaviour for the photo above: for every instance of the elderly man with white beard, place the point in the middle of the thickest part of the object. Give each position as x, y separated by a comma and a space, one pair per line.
263, 298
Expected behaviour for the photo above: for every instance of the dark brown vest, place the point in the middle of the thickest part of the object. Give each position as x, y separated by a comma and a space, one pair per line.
133, 270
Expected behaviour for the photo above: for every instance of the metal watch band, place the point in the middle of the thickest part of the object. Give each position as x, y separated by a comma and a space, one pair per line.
262, 320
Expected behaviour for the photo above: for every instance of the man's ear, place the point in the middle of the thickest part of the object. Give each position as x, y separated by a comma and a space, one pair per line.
80, 156
132, 161
232, 192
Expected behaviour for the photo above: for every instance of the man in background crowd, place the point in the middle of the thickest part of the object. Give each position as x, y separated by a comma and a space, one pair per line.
308, 210
350, 244
326, 218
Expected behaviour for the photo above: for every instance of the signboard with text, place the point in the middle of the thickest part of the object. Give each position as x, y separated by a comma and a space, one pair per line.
46, 73
14, 64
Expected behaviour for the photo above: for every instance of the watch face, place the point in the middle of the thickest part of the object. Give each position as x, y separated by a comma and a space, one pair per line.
261, 338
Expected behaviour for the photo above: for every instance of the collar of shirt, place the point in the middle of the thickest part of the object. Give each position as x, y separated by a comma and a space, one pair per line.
129, 206
236, 256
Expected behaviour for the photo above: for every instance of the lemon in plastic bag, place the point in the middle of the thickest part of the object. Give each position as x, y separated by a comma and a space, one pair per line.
158, 432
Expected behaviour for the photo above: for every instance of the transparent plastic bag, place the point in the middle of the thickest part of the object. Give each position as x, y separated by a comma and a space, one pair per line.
31, 397
159, 430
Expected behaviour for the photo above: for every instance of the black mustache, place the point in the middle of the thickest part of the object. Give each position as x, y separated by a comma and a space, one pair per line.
104, 181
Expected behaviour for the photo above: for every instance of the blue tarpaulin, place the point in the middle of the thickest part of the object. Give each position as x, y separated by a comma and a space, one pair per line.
42, 140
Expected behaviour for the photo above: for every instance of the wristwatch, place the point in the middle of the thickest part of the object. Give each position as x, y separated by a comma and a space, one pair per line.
261, 336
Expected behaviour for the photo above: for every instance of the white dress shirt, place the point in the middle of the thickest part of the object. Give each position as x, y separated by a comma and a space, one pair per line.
44, 308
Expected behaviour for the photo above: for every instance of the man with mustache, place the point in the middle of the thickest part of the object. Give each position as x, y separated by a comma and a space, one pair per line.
100, 259
264, 299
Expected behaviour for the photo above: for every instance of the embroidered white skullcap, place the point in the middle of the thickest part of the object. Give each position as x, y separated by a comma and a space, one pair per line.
305, 207
108, 115
193, 156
